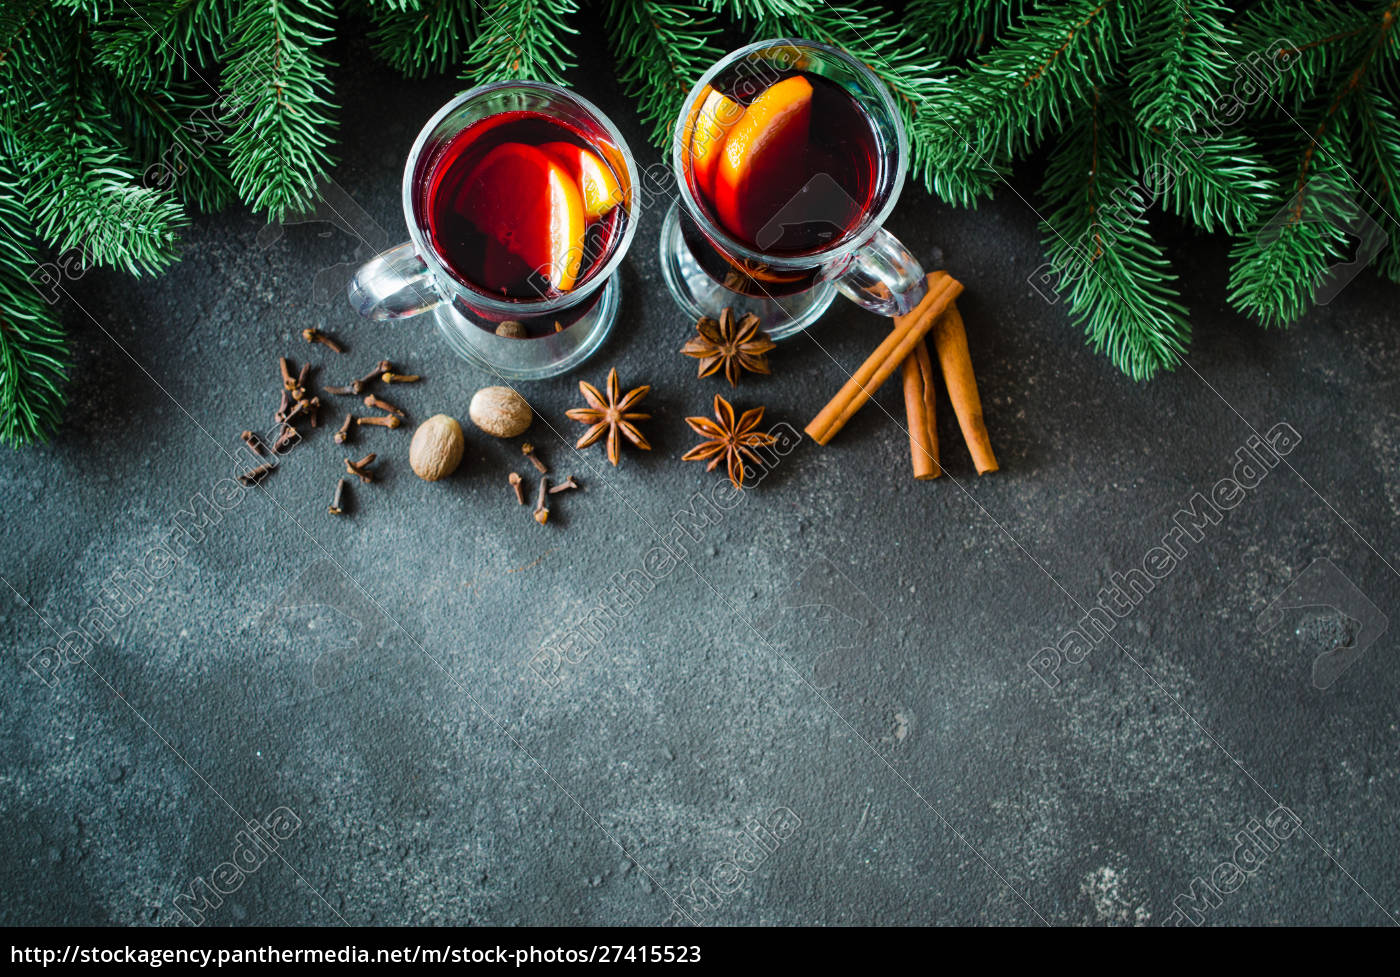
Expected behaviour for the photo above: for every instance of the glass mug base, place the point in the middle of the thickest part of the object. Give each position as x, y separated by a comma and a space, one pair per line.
537, 358
700, 295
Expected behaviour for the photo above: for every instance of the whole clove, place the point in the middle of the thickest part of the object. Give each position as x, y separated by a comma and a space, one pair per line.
286, 439
255, 475
288, 381
317, 336
400, 378
358, 386
339, 391
302, 407
360, 468
373, 401
518, 483
541, 506
337, 506
567, 485
286, 404
391, 421
303, 375
253, 442
313, 407
344, 433
528, 450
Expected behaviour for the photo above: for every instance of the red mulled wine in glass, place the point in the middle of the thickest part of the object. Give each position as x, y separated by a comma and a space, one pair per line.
519, 204
790, 155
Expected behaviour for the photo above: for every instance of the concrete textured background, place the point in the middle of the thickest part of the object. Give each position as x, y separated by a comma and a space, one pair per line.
846, 650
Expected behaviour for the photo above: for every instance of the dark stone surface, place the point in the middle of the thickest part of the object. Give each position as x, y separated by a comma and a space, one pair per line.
845, 643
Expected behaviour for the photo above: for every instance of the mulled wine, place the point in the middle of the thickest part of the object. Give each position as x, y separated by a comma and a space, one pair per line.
785, 163
520, 206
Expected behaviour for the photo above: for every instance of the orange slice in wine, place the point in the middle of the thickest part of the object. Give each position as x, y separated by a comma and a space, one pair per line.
763, 149
709, 123
601, 191
526, 201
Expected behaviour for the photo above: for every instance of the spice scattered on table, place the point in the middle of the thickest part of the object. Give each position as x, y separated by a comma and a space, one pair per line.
542, 504
528, 450
735, 346
256, 475
611, 416
500, 412
317, 336
337, 506
361, 468
937, 319
729, 439
372, 401
437, 448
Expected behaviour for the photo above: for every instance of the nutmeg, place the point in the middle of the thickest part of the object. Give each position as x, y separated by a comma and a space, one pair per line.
437, 448
500, 412
512, 329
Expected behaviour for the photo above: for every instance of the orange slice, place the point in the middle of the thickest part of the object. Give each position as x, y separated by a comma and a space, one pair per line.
762, 151
526, 201
713, 115
601, 191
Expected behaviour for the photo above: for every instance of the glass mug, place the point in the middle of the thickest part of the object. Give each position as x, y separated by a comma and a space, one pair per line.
789, 155
455, 192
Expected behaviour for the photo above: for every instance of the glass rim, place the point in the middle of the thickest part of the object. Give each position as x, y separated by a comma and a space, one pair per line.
524, 306
870, 223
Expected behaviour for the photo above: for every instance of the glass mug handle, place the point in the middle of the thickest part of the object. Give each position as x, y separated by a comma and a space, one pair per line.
884, 277
395, 284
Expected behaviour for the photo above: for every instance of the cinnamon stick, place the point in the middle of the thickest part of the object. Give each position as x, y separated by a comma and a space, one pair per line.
920, 413
950, 345
908, 330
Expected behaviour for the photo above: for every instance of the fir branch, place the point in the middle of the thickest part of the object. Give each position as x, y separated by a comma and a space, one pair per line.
520, 39
1378, 165
151, 42
964, 26
1317, 41
662, 48
33, 350
1049, 65
422, 38
1277, 269
15, 19
1213, 179
277, 97
173, 130
1120, 287
83, 190
1177, 64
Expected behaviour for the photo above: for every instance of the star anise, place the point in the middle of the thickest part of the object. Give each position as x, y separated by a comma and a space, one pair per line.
735, 346
728, 440
610, 416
